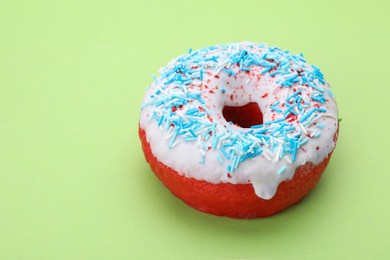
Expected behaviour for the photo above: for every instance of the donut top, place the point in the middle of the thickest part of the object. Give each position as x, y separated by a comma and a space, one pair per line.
186, 129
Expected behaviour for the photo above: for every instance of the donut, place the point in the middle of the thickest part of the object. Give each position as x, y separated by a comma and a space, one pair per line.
242, 130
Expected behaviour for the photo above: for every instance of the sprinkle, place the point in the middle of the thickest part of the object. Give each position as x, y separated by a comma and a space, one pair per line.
316, 87
155, 79
173, 138
175, 144
160, 120
276, 109
225, 154
319, 98
303, 142
264, 71
311, 112
202, 160
317, 134
282, 170
294, 95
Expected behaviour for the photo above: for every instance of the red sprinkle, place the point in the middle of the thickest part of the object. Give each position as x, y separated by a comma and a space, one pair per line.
291, 117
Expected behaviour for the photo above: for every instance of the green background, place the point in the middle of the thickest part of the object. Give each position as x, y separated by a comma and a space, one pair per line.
73, 180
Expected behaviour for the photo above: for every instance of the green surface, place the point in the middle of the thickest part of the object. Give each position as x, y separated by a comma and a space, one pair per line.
73, 180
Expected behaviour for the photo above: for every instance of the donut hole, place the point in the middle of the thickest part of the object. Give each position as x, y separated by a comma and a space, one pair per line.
243, 116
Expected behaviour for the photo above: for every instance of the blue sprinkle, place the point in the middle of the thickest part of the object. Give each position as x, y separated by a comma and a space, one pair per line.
274, 122
160, 120
293, 95
304, 141
266, 70
257, 126
202, 160
192, 132
200, 99
282, 170
155, 79
318, 98
276, 109
225, 154
317, 134
311, 84
311, 112
192, 111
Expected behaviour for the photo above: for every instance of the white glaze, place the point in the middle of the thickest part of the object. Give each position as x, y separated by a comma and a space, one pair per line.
261, 171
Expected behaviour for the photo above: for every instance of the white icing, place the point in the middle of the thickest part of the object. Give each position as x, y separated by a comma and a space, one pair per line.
260, 171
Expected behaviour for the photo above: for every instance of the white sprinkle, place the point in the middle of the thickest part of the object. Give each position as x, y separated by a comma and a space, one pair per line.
287, 159
250, 150
219, 70
276, 140
296, 110
219, 128
199, 139
253, 137
220, 141
267, 157
303, 128
169, 133
265, 142
268, 154
276, 158
175, 144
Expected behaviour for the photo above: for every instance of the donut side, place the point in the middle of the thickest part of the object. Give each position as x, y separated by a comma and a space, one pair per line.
234, 200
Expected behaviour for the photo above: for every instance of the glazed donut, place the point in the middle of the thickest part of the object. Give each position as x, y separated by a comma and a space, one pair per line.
240, 130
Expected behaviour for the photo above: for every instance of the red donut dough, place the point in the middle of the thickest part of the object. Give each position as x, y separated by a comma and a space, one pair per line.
234, 200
